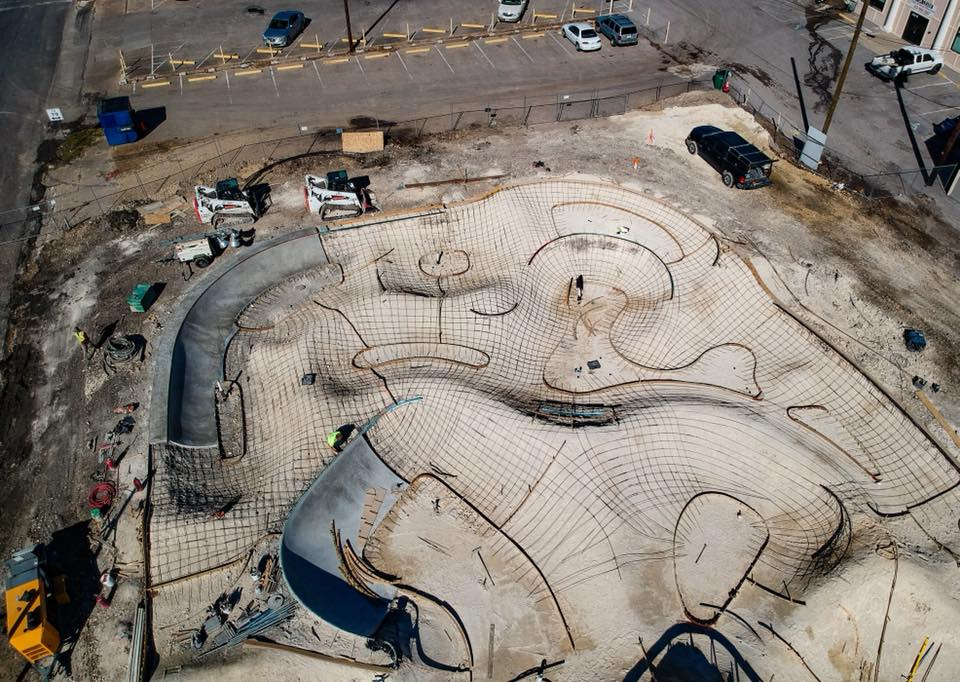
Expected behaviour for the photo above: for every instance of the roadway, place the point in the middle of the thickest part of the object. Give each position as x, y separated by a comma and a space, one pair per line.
31, 36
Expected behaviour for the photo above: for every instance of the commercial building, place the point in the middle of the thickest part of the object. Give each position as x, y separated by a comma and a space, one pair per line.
934, 24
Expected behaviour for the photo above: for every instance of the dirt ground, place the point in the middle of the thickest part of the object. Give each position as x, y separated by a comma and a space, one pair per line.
858, 272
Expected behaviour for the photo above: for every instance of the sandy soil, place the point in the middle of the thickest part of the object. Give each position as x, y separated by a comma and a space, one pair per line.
857, 272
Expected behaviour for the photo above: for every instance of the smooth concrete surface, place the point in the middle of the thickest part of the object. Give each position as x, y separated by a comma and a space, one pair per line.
191, 352
309, 558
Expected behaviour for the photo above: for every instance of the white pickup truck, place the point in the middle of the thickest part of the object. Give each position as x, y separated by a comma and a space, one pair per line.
905, 61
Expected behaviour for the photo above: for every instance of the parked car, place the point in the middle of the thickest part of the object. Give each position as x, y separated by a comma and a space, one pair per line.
739, 163
618, 28
511, 10
904, 62
284, 28
582, 35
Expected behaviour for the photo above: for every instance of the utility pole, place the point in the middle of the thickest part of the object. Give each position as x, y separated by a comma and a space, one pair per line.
346, 11
846, 66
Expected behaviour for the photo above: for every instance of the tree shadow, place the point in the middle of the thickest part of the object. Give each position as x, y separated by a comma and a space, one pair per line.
684, 662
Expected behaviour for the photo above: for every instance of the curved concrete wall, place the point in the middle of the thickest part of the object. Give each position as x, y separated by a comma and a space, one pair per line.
185, 387
309, 557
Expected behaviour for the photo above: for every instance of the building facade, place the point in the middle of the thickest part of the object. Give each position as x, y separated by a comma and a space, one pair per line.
934, 24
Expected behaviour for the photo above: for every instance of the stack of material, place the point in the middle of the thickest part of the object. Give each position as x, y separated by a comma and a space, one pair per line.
233, 634
161, 212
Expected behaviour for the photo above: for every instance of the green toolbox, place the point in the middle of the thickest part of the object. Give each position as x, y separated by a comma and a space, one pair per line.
141, 298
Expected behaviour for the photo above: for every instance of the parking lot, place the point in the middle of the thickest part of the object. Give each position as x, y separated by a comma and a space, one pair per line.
411, 81
196, 35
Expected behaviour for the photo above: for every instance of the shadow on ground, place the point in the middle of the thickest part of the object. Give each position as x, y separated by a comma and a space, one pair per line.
685, 662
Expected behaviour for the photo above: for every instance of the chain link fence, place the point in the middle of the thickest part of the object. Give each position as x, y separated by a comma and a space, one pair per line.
66, 205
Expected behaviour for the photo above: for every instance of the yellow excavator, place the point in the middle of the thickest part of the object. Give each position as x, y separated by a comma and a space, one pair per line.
28, 600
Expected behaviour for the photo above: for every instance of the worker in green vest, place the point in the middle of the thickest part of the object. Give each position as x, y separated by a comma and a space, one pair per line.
337, 439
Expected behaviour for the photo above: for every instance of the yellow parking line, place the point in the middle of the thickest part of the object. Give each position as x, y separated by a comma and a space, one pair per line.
227, 56
473, 25
454, 46
287, 67
378, 55
193, 79
337, 60
247, 72
155, 85
528, 36
312, 46
267, 50
493, 41
395, 35
417, 50
433, 30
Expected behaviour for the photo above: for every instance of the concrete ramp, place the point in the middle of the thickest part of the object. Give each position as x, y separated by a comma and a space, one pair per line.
310, 557
196, 362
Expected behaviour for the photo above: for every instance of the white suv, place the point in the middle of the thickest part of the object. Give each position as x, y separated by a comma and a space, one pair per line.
904, 62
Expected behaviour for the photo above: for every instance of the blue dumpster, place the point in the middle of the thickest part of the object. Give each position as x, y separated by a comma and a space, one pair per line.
117, 119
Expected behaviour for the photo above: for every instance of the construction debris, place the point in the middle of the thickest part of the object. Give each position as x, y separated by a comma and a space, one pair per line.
250, 626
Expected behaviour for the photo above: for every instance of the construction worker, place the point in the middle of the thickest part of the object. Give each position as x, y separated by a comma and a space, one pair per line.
82, 339
337, 439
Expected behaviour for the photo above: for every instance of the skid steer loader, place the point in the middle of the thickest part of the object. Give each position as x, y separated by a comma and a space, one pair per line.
335, 196
224, 205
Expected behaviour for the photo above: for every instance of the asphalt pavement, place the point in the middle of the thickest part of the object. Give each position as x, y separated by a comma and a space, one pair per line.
33, 33
868, 131
406, 84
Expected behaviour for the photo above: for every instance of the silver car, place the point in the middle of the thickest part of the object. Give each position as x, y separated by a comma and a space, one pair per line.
284, 28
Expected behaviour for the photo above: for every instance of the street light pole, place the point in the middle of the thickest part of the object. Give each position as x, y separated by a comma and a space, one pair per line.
346, 11
846, 66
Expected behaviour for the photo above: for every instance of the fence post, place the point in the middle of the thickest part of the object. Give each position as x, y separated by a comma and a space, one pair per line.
123, 68
96, 198
136, 174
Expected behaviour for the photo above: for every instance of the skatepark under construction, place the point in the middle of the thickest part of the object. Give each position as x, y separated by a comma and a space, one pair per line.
583, 430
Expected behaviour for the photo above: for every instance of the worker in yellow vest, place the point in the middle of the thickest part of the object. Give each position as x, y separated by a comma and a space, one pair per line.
82, 339
337, 439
